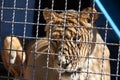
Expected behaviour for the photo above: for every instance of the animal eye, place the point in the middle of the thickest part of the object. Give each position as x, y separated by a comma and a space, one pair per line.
89, 20
74, 39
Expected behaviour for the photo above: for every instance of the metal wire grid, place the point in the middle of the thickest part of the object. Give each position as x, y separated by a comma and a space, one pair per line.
115, 74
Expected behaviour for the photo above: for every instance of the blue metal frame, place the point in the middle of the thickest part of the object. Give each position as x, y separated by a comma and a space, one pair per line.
113, 25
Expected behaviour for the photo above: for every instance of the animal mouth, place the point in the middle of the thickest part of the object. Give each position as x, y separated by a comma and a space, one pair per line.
69, 72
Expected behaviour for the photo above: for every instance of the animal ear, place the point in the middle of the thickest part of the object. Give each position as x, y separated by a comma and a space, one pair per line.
92, 13
48, 14
89, 14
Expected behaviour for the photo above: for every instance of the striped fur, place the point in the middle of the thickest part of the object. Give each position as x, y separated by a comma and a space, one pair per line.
78, 44
37, 68
74, 50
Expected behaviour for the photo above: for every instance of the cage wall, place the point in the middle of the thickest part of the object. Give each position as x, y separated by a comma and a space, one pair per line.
23, 39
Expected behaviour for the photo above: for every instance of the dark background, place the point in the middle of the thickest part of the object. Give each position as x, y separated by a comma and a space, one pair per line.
112, 6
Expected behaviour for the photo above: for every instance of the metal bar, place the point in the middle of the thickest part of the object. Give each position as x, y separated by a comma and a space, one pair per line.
107, 16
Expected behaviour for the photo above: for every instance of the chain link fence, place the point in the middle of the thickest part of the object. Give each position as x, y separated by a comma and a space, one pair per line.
61, 51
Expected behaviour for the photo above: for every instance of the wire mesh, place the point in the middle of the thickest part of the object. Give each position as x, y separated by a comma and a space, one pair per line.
50, 57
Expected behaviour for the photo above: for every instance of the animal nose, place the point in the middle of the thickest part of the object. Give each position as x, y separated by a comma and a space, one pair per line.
64, 65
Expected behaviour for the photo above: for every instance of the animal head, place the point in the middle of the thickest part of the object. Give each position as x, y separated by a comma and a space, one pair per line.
70, 34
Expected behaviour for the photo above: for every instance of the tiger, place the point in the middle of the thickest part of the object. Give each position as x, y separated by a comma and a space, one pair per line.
73, 50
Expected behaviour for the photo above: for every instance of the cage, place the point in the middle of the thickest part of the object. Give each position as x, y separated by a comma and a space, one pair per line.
56, 40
